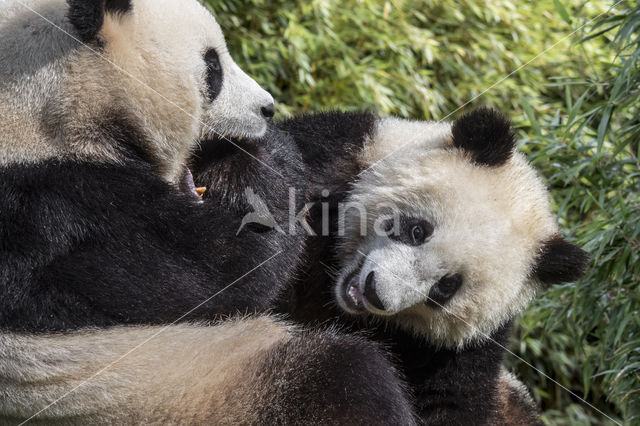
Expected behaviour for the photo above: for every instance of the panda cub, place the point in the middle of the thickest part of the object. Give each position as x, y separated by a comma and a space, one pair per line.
114, 296
433, 250
465, 239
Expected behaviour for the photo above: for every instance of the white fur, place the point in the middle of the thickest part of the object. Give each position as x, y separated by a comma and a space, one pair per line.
145, 375
393, 135
489, 225
54, 92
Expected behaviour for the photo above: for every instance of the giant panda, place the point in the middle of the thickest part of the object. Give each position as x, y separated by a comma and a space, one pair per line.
432, 249
117, 280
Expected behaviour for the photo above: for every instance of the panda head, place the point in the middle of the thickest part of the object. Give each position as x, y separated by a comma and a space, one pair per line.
156, 72
457, 240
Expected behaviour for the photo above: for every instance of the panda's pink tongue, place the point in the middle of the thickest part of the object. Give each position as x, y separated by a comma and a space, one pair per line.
353, 290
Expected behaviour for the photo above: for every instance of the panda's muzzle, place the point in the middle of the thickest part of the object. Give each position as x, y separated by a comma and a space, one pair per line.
443, 290
360, 298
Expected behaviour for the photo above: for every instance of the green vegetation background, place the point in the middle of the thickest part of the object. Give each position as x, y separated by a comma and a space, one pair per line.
570, 83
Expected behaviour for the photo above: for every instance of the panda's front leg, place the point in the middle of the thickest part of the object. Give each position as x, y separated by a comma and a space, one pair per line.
257, 186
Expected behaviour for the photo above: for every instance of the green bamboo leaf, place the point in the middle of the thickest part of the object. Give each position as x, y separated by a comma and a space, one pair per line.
604, 124
562, 11
530, 115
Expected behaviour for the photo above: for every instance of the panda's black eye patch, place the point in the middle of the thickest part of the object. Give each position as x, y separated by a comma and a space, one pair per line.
417, 233
411, 230
214, 74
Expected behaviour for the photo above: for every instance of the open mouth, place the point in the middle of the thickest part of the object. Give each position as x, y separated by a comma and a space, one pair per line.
350, 292
188, 185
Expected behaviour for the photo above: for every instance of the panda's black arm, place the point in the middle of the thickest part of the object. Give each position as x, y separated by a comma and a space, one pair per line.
331, 143
85, 245
452, 386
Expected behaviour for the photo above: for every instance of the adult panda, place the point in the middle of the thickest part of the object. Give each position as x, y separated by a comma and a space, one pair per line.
111, 289
458, 238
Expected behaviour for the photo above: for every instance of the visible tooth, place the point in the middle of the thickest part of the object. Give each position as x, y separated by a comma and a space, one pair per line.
352, 295
201, 190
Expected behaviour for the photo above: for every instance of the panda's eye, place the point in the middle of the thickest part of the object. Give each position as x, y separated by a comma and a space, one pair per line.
417, 233
214, 74
413, 231
213, 63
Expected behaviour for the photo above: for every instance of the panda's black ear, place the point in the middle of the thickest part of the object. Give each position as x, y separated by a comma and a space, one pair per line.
87, 16
486, 134
559, 261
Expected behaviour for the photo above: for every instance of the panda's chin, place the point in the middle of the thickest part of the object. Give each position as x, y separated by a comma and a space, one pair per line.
234, 137
236, 130
255, 130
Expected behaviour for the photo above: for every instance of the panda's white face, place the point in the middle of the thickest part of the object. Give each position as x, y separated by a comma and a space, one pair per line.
188, 41
450, 245
158, 69
177, 49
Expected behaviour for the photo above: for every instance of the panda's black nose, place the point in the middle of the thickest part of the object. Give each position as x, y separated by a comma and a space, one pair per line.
268, 111
370, 292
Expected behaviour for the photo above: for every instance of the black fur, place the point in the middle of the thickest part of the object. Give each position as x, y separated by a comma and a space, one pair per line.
560, 261
303, 376
516, 406
87, 245
450, 387
444, 290
215, 76
87, 16
486, 134
118, 6
330, 143
269, 167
